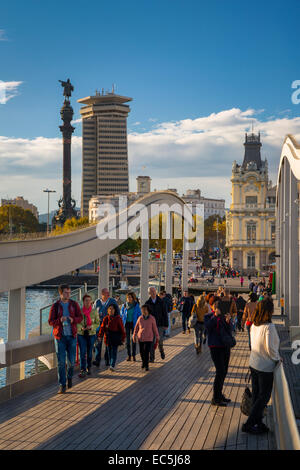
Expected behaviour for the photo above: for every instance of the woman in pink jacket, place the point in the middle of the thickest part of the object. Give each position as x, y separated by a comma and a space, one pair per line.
144, 332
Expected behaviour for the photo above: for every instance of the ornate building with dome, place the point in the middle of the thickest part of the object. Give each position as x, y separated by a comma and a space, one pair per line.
250, 221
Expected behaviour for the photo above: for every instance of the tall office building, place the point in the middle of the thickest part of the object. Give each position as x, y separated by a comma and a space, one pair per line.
104, 146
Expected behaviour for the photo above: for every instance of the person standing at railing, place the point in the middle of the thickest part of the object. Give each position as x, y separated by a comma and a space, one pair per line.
130, 312
64, 316
263, 359
101, 305
86, 331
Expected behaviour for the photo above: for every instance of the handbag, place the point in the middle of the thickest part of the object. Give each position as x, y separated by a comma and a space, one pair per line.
246, 403
192, 321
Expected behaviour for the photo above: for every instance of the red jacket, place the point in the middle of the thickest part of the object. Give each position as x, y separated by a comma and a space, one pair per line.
56, 312
112, 323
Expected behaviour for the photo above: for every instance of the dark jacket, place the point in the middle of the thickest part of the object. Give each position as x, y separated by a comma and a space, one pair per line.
56, 312
168, 302
240, 303
213, 327
159, 312
185, 305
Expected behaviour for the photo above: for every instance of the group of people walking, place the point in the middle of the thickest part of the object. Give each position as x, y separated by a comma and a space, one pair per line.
102, 321
214, 318
217, 316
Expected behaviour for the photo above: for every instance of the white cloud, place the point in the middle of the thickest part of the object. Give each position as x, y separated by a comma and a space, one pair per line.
30, 165
76, 121
204, 148
186, 154
8, 90
3, 35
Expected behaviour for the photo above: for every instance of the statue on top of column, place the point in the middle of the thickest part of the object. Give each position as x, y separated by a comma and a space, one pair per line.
68, 87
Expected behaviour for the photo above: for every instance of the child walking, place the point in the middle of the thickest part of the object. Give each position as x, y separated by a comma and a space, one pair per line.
114, 334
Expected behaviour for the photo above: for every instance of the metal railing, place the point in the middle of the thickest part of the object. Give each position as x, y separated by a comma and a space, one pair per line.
17, 352
37, 235
285, 425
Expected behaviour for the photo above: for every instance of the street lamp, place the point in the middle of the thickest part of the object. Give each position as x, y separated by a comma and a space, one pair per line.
48, 191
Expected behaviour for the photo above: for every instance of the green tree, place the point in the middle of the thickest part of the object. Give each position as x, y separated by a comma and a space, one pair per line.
14, 218
210, 236
71, 225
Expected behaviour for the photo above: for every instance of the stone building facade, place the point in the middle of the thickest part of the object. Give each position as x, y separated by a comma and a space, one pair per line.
250, 234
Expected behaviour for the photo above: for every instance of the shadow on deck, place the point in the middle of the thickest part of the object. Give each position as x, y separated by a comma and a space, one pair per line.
166, 408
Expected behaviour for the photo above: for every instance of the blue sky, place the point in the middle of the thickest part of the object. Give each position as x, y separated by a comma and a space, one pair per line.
178, 60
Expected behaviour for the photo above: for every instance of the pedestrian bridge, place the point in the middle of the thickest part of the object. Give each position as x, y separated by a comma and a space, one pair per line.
166, 408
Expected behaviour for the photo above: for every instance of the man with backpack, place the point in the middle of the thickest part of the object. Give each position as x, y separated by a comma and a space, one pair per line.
64, 316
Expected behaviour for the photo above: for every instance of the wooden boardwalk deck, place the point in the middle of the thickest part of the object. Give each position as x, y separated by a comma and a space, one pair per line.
166, 408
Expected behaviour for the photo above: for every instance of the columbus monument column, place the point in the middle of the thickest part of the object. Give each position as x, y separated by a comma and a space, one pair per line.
66, 203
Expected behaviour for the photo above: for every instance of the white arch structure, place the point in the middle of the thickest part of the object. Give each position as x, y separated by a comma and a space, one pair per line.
23, 263
288, 230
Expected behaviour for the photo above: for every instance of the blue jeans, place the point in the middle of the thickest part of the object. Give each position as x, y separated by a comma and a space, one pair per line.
112, 355
185, 317
98, 348
66, 346
86, 344
168, 331
131, 346
198, 331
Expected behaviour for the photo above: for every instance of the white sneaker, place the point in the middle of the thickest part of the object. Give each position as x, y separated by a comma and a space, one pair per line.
112, 368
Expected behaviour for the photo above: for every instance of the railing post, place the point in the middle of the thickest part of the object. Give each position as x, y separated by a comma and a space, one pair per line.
144, 278
103, 279
185, 260
169, 253
16, 330
293, 254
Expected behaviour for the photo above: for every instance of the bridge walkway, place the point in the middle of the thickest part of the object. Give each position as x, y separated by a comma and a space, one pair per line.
165, 408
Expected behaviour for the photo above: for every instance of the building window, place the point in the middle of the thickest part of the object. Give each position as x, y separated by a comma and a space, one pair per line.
251, 199
251, 231
250, 260
273, 231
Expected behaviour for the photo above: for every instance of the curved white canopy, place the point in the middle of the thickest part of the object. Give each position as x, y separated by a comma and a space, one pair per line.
23, 263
